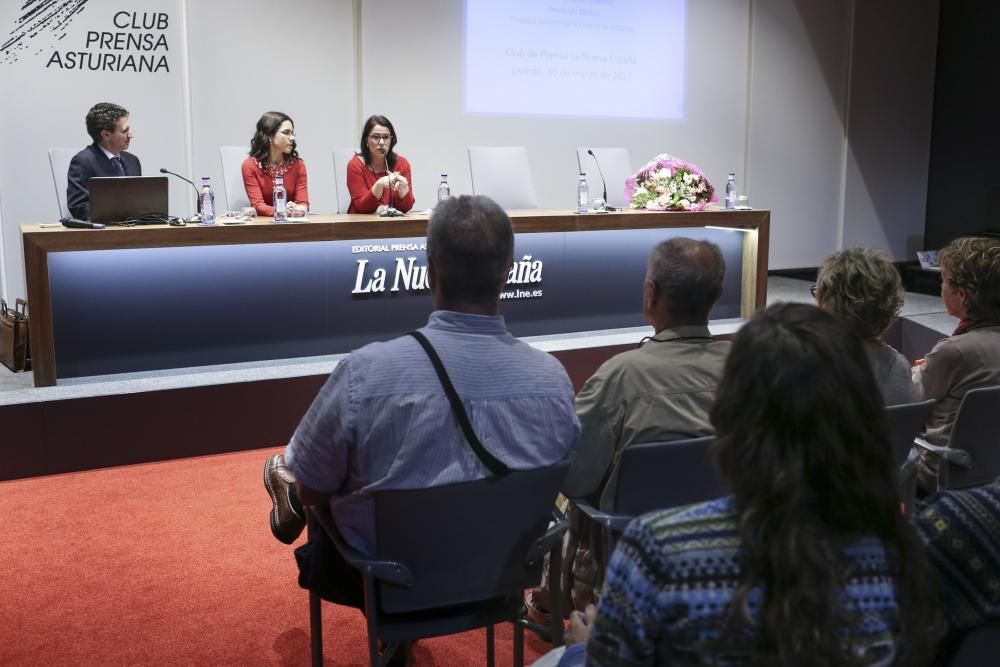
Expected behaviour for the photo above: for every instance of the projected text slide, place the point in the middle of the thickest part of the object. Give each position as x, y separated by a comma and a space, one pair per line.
608, 58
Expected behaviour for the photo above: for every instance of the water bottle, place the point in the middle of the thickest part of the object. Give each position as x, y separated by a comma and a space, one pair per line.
582, 194
444, 192
280, 200
207, 201
731, 192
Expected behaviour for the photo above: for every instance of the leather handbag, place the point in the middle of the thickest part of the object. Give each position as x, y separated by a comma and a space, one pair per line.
15, 351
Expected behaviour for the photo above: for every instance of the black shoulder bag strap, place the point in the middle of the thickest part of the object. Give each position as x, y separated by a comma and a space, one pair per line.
492, 463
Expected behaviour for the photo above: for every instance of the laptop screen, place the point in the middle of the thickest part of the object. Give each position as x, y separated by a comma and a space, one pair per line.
131, 199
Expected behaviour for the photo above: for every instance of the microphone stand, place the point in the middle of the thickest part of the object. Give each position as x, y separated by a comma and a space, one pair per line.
590, 152
197, 194
391, 211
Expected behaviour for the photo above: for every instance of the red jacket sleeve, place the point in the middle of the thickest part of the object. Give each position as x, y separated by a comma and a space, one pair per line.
403, 167
362, 199
252, 186
301, 194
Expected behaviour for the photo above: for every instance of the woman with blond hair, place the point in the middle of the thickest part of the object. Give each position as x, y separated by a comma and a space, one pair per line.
862, 288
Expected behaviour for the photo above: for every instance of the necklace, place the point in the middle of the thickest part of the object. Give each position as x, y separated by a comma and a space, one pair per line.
275, 170
647, 339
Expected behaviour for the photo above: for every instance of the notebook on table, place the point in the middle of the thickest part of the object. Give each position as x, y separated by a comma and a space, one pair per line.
117, 200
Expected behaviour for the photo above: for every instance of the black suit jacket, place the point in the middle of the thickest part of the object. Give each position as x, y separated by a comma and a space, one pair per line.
86, 164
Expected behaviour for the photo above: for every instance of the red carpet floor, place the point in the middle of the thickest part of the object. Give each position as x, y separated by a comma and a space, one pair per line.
171, 564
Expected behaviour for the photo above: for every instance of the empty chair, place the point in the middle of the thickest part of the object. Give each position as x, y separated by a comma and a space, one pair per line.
657, 475
451, 558
503, 174
232, 174
616, 166
59, 159
341, 157
972, 457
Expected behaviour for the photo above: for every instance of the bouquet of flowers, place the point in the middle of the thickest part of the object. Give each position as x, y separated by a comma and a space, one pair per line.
667, 183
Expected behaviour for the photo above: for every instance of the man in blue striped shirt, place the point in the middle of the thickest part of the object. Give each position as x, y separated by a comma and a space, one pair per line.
383, 420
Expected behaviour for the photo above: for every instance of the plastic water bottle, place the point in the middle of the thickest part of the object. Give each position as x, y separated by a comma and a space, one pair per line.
444, 192
582, 194
280, 200
207, 201
731, 192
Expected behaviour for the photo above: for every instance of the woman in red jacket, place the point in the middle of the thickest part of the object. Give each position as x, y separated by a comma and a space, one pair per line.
378, 178
273, 153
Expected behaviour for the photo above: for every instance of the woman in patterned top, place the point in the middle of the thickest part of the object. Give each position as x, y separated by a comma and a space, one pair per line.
274, 153
809, 561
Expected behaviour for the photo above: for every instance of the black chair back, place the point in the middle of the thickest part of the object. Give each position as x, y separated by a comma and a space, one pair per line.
464, 542
979, 646
905, 422
657, 475
977, 431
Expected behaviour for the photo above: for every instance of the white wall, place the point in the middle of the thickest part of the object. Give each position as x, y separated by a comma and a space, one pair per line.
822, 109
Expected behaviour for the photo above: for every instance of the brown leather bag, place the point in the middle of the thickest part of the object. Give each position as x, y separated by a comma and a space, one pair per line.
15, 351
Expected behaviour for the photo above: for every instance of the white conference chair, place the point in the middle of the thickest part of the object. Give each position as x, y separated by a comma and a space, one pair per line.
616, 166
59, 159
232, 175
503, 174
341, 157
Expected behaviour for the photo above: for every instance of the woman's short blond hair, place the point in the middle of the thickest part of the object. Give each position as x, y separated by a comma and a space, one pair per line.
861, 287
973, 265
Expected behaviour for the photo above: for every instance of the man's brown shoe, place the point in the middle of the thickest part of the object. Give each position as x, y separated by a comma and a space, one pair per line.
287, 523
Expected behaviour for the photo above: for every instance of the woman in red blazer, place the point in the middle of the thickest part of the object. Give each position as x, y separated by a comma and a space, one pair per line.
379, 178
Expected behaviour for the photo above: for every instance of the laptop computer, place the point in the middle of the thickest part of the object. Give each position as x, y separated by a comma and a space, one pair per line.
132, 199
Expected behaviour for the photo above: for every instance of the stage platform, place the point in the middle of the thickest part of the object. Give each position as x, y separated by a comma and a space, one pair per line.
99, 421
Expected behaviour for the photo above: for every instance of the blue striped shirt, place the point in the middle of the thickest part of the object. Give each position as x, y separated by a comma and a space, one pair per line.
383, 421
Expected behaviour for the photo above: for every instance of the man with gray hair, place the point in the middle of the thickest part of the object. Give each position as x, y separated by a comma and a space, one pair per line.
661, 391
664, 389
383, 420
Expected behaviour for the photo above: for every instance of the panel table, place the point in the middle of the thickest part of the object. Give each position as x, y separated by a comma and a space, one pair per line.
151, 297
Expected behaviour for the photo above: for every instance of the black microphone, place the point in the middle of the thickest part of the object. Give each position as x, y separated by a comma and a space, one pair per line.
391, 211
590, 152
197, 195
80, 224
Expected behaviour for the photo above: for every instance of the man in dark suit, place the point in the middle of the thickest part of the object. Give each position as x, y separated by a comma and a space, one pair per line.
108, 126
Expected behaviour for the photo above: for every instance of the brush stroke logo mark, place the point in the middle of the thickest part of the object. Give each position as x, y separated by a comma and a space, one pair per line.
39, 19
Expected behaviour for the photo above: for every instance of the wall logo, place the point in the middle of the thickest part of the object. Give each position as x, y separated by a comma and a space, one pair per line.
126, 41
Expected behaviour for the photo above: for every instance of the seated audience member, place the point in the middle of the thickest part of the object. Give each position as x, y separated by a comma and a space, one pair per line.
273, 153
661, 391
383, 421
108, 125
970, 357
809, 561
379, 178
962, 532
861, 287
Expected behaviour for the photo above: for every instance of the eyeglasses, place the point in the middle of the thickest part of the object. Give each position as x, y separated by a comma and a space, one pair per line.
812, 290
287, 133
380, 138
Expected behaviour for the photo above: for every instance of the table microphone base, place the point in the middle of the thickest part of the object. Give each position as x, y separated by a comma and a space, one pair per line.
391, 212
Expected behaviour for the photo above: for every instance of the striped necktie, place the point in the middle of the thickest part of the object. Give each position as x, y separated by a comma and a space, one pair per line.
117, 162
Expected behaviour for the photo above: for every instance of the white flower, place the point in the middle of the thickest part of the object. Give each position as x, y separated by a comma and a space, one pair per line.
651, 203
684, 204
663, 173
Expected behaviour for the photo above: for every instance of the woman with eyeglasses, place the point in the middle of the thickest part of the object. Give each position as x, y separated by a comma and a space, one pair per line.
378, 178
272, 154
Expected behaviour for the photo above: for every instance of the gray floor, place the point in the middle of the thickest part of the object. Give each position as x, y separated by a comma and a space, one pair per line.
18, 387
